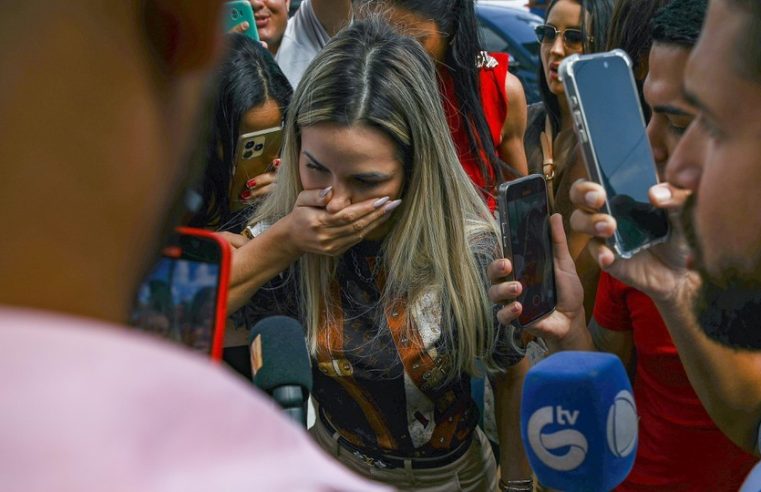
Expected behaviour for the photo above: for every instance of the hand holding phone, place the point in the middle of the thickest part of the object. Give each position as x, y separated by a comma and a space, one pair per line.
235, 14
255, 155
524, 217
565, 327
610, 127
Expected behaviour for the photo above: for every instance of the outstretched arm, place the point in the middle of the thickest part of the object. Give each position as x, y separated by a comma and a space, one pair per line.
507, 400
511, 146
727, 381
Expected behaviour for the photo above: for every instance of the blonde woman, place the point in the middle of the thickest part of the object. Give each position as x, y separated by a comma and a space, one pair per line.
376, 240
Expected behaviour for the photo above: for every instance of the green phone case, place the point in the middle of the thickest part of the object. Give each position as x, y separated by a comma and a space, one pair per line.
237, 12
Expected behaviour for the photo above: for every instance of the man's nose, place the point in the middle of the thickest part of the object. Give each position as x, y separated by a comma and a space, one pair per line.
685, 166
655, 129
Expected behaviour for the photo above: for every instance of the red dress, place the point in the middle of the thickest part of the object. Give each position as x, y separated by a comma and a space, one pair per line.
494, 105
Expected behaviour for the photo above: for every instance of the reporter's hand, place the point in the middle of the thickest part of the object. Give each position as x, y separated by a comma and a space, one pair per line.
659, 271
560, 328
315, 230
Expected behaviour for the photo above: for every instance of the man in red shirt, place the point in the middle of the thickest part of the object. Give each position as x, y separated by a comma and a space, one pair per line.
680, 447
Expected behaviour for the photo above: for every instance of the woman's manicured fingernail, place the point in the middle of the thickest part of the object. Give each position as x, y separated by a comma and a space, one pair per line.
245, 195
276, 163
250, 183
516, 307
380, 202
244, 25
391, 206
601, 227
325, 192
592, 198
515, 288
661, 193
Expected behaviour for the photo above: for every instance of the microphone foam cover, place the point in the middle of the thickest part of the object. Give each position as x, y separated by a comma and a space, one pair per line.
283, 352
579, 421
753, 480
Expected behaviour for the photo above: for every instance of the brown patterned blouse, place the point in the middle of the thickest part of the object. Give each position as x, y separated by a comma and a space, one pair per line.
382, 387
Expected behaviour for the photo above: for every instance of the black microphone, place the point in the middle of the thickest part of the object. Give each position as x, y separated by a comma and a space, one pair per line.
280, 364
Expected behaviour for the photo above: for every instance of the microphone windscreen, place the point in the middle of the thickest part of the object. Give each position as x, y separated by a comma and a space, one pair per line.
753, 481
579, 421
278, 346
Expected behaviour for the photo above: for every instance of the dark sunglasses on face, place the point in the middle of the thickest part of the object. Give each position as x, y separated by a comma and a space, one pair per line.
572, 38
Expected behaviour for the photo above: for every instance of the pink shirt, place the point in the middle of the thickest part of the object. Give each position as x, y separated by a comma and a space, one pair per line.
91, 406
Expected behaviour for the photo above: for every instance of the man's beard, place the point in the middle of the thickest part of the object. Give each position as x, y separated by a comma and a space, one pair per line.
727, 306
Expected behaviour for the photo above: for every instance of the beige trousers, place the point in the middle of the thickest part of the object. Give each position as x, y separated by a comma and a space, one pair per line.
475, 471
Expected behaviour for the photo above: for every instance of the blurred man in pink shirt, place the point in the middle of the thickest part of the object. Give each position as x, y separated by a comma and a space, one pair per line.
99, 103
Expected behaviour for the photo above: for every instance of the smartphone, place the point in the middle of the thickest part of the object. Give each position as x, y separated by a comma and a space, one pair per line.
254, 154
610, 126
525, 222
184, 298
239, 11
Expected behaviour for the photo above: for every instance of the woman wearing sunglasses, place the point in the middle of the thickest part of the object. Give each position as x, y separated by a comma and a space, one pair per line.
571, 27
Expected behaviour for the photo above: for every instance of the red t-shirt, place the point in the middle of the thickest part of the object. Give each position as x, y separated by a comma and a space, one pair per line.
494, 105
680, 448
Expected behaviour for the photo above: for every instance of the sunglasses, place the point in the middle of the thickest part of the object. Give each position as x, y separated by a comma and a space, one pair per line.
572, 38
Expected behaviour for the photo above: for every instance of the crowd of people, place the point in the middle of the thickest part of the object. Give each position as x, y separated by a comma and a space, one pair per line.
376, 229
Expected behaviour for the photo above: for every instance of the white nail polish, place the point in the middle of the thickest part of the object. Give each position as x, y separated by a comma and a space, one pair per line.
391, 206
380, 202
325, 192
592, 198
661, 193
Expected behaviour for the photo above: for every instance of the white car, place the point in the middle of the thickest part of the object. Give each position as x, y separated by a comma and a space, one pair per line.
508, 3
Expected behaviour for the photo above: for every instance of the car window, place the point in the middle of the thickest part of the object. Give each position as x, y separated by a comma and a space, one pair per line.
491, 40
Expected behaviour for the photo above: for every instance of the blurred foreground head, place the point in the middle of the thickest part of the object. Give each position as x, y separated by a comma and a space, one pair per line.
719, 158
99, 101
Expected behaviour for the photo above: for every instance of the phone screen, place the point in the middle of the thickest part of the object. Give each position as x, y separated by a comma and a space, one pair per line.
179, 299
531, 248
617, 134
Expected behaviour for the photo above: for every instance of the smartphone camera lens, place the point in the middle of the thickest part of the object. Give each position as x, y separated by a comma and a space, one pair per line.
247, 154
259, 147
249, 144
235, 14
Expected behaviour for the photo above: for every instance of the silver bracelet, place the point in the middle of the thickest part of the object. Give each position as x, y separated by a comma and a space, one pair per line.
517, 485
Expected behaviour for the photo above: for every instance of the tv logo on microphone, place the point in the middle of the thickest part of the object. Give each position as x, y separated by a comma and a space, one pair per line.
579, 421
621, 433
543, 443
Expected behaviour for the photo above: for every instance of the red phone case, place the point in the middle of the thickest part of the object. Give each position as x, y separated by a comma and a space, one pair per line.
220, 310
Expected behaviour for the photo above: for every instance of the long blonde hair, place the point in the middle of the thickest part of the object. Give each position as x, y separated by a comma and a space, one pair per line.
370, 75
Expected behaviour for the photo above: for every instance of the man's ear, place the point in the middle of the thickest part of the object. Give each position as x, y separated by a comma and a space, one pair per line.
185, 35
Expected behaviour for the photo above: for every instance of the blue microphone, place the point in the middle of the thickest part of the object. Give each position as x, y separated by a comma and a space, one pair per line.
753, 481
579, 421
